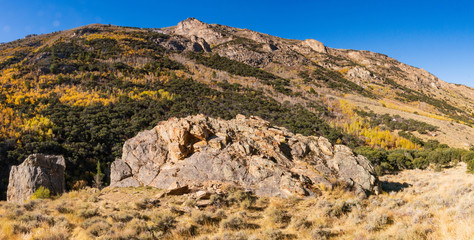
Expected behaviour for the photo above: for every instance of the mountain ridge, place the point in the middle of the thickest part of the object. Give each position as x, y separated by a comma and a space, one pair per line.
319, 48
334, 50
355, 55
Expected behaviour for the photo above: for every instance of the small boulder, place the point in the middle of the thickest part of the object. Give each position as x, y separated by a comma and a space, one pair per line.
202, 195
37, 170
178, 190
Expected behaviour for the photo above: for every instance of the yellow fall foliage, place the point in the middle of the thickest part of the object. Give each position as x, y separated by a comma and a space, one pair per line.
155, 95
39, 124
373, 136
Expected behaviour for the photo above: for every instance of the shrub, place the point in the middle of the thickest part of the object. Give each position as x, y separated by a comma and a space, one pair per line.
278, 216
420, 163
36, 217
53, 68
79, 184
234, 67
202, 218
134, 228
387, 121
64, 209
234, 236
190, 203
338, 209
274, 234
142, 204
55, 233
185, 229
376, 221
62, 222
41, 193
220, 214
433, 153
217, 200
22, 228
14, 213
245, 199
164, 221
470, 166
233, 223
469, 159
320, 234
88, 212
301, 223
99, 228
247, 203
30, 206
121, 217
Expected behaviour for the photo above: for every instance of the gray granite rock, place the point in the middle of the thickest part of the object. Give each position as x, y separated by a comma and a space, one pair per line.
199, 152
37, 170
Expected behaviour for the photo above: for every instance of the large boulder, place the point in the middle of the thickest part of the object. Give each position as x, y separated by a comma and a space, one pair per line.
203, 152
37, 170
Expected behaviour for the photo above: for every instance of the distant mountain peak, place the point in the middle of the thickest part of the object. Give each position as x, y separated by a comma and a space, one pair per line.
192, 27
316, 45
190, 24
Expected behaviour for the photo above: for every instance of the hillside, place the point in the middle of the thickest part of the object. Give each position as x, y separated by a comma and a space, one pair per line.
83, 92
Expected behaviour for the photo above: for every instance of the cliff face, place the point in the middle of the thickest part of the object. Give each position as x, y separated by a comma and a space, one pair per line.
206, 153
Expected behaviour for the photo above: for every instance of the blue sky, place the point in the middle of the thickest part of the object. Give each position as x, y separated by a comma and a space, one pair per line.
435, 35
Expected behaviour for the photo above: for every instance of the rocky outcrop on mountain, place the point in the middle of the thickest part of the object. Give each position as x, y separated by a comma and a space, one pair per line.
202, 152
192, 27
37, 170
316, 45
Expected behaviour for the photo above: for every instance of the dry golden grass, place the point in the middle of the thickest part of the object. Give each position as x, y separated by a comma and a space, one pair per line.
416, 204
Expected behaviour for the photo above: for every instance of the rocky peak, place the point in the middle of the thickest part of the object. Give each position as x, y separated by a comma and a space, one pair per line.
316, 45
205, 153
190, 24
192, 27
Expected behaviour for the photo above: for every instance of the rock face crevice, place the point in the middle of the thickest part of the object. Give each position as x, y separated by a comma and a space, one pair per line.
203, 152
37, 170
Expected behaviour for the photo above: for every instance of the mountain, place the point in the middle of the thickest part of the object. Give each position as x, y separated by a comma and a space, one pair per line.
363, 78
83, 92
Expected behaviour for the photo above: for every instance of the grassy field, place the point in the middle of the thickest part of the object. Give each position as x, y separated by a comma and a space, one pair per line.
416, 204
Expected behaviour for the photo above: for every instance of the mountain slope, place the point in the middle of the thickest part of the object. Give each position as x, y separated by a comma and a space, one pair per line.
362, 67
378, 79
83, 92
